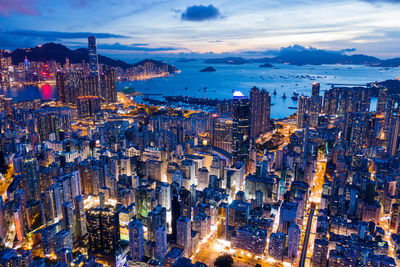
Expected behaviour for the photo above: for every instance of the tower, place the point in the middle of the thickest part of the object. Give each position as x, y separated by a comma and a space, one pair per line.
94, 60
260, 111
184, 235
315, 89
93, 57
241, 127
302, 111
136, 240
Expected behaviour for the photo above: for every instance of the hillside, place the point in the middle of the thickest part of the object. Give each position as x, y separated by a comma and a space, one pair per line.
59, 52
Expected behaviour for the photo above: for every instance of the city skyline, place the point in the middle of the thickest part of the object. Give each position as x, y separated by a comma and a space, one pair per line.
276, 157
198, 28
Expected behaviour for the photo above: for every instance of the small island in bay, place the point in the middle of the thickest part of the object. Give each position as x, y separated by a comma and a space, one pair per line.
266, 65
208, 69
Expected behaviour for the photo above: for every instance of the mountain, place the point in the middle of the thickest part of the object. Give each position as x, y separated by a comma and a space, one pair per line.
156, 63
58, 52
298, 55
228, 60
318, 57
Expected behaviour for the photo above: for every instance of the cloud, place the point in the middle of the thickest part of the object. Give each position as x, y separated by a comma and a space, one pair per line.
292, 49
134, 47
52, 35
200, 13
30, 38
25, 7
382, 1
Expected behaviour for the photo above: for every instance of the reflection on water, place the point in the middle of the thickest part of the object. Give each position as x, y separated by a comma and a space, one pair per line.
285, 79
45, 92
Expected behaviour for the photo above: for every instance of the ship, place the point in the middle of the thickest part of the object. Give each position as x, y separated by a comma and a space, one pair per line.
284, 96
274, 92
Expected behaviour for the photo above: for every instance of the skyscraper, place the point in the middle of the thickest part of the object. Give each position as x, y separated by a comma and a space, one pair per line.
31, 174
93, 57
80, 217
331, 101
393, 139
260, 111
315, 89
88, 106
103, 231
68, 216
109, 86
136, 240
382, 97
161, 242
302, 111
184, 235
222, 133
241, 127
94, 65
62, 94
293, 240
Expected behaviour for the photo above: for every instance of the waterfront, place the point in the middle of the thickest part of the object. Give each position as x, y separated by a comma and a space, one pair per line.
219, 84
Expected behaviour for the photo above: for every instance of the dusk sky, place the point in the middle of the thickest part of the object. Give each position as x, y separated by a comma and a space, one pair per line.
253, 27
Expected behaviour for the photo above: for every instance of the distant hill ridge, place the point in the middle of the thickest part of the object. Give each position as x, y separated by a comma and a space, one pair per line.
59, 52
312, 57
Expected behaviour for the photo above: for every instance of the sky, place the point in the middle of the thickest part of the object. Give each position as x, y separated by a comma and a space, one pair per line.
202, 28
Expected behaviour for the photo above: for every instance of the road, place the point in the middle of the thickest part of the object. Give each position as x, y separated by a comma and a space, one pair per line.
306, 238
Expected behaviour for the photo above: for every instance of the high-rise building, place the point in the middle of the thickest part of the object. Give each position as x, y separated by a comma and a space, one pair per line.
52, 202
109, 86
136, 240
331, 101
237, 214
68, 216
315, 89
260, 111
63, 240
287, 216
320, 254
391, 109
277, 242
302, 107
314, 107
156, 218
382, 98
88, 106
103, 231
80, 217
93, 57
222, 133
161, 242
293, 240
393, 139
203, 178
241, 127
61, 83
251, 239
184, 235
31, 175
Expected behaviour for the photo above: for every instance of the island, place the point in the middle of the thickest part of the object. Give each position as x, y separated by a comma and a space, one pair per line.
208, 69
266, 65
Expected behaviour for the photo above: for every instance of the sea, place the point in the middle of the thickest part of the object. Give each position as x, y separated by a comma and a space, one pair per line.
283, 78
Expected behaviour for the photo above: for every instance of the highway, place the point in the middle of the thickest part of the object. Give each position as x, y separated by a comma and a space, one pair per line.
306, 238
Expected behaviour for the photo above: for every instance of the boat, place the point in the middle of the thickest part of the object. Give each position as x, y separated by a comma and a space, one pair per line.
274, 92
186, 88
295, 98
284, 96
295, 93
